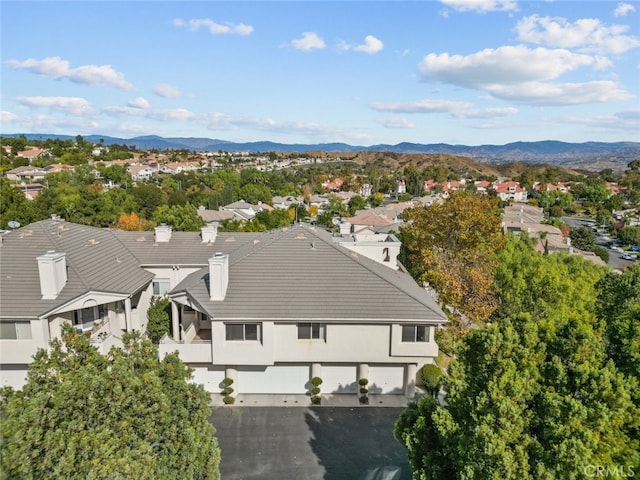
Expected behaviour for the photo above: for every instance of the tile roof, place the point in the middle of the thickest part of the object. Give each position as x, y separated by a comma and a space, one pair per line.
96, 261
300, 273
184, 248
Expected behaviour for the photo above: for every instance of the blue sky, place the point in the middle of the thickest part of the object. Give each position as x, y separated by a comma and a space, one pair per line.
362, 72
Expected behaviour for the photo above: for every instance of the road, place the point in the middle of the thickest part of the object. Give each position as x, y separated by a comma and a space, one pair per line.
602, 240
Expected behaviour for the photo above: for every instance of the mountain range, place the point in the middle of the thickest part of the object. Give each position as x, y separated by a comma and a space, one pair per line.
608, 155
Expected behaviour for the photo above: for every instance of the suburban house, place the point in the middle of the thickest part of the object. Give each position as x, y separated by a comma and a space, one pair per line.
510, 190
270, 310
25, 174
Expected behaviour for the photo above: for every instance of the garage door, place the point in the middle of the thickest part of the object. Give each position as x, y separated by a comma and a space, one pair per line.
15, 378
386, 379
339, 379
273, 379
209, 377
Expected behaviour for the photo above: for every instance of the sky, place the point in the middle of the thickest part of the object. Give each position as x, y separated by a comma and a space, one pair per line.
468, 72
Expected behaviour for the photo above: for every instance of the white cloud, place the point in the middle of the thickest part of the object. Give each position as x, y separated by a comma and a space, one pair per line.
481, 6
421, 106
214, 28
587, 34
72, 105
488, 113
370, 46
540, 93
136, 110
7, 116
309, 41
139, 102
503, 66
455, 109
395, 122
167, 91
623, 9
55, 67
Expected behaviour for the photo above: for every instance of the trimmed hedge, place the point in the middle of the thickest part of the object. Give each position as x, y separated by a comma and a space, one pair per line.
431, 376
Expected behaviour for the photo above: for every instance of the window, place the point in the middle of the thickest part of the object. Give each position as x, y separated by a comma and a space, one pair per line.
15, 331
311, 331
415, 333
161, 286
243, 331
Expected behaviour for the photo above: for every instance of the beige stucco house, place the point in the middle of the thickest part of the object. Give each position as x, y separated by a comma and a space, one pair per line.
270, 310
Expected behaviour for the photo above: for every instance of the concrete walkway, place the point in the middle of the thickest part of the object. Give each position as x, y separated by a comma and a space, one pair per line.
285, 400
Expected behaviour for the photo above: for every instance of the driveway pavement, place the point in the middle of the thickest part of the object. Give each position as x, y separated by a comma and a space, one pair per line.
309, 443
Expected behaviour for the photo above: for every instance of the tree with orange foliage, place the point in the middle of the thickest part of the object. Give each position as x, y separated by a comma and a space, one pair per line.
452, 246
131, 222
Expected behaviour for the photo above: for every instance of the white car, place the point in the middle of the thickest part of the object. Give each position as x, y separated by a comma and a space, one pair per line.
626, 256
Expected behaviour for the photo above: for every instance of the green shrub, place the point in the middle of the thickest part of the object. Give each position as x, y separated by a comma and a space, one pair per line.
444, 339
227, 390
316, 381
364, 400
228, 400
602, 252
315, 399
159, 318
363, 382
364, 390
315, 390
430, 376
227, 381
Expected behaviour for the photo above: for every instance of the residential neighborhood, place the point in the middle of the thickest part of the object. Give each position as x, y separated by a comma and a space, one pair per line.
304, 281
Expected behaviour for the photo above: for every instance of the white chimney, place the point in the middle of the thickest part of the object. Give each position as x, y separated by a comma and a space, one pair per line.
345, 228
52, 267
163, 233
218, 276
209, 232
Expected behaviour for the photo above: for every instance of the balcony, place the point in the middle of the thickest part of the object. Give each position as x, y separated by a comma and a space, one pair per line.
195, 347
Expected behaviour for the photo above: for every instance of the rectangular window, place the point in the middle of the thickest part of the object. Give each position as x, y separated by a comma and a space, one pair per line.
15, 331
415, 333
161, 286
243, 331
311, 331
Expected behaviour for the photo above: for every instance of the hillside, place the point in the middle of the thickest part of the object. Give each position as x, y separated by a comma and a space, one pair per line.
593, 156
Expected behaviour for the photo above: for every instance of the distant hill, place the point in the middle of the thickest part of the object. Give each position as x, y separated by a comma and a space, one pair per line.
589, 155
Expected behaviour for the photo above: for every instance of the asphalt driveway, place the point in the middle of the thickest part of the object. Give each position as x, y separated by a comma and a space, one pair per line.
328, 443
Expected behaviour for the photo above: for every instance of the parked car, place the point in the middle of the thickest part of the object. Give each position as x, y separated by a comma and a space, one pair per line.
627, 256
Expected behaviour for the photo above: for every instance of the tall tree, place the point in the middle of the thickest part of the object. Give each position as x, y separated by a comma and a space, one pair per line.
120, 416
452, 246
183, 218
526, 399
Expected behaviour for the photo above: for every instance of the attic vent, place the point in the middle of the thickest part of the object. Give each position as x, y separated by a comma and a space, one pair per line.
141, 239
354, 254
301, 237
230, 239
256, 241
93, 241
26, 233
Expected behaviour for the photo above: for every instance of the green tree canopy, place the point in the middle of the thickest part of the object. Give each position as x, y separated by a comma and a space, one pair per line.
183, 218
546, 286
527, 399
121, 416
583, 238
